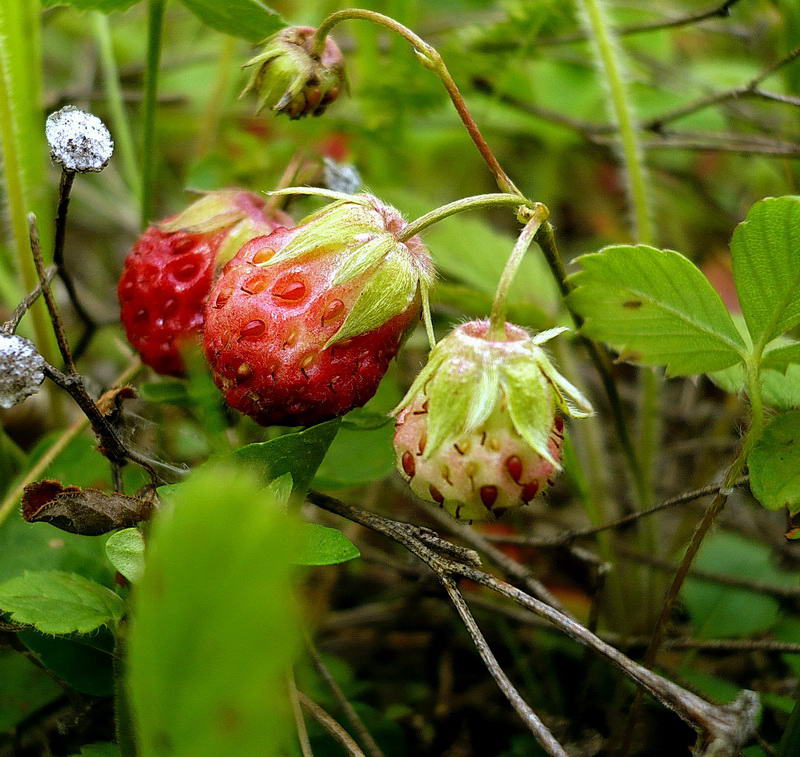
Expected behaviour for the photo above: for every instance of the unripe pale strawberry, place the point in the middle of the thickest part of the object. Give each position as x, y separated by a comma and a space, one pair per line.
478, 432
289, 78
171, 267
302, 324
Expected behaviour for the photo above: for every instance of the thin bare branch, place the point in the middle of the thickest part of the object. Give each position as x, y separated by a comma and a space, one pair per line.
364, 736
299, 720
330, 725
723, 729
11, 325
546, 739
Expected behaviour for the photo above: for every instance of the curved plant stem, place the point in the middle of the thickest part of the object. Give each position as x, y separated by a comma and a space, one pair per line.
155, 22
116, 106
459, 206
22, 140
430, 58
611, 64
497, 319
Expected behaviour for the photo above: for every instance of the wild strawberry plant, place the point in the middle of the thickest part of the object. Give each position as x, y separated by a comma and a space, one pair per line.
164, 530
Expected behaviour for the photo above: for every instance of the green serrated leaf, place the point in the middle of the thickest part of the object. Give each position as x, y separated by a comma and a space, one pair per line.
766, 266
125, 551
531, 404
60, 603
781, 358
390, 291
324, 546
248, 19
774, 464
214, 625
655, 307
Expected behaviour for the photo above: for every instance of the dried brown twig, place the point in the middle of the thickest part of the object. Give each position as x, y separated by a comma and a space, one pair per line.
722, 730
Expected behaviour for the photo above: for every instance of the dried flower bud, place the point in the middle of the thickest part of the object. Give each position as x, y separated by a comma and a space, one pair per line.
21, 369
477, 432
289, 78
79, 141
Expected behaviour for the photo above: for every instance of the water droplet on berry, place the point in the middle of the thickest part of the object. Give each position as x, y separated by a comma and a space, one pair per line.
488, 495
529, 491
181, 244
223, 297
263, 255
514, 468
253, 329
256, 284
436, 495
409, 466
185, 270
170, 307
334, 309
291, 290
140, 316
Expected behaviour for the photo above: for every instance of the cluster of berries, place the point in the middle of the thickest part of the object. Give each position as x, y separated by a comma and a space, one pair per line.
300, 321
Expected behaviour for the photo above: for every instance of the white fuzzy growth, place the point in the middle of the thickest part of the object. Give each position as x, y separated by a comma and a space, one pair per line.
79, 141
21, 370
342, 177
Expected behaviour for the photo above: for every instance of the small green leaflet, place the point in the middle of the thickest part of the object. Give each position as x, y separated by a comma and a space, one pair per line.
657, 308
774, 464
125, 551
766, 265
321, 545
248, 19
60, 603
781, 358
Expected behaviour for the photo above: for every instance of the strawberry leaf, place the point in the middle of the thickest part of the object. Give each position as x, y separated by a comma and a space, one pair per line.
655, 307
774, 464
248, 19
766, 266
60, 603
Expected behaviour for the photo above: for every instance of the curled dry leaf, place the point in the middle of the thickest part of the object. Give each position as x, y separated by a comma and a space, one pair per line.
88, 512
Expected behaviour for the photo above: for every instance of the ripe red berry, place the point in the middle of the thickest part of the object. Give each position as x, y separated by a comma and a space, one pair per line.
169, 271
297, 330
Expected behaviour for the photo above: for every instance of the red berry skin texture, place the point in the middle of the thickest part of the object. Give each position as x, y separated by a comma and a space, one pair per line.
168, 274
266, 333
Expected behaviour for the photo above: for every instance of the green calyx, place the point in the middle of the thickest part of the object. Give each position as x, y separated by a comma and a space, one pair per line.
359, 235
469, 377
288, 78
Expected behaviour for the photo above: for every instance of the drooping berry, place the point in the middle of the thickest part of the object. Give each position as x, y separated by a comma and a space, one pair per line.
289, 77
478, 433
21, 369
170, 269
315, 313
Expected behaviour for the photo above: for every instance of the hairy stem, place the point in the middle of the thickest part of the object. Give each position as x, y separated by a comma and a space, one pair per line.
155, 22
431, 59
497, 319
116, 106
459, 206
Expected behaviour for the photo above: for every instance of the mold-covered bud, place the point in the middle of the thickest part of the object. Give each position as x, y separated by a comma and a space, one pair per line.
21, 369
341, 177
288, 77
79, 141
478, 431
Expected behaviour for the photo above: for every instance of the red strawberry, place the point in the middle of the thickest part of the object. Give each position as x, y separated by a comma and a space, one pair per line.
170, 269
302, 324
